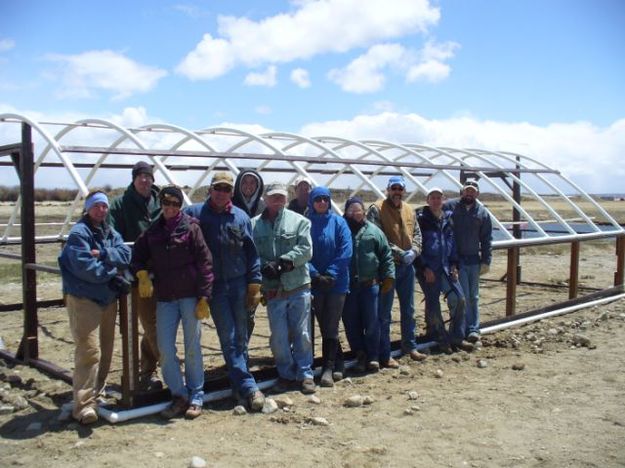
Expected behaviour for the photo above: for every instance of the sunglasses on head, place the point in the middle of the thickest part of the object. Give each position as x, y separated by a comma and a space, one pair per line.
322, 199
222, 188
171, 203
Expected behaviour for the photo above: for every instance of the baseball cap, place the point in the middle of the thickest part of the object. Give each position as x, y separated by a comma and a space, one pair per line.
301, 179
222, 178
396, 180
471, 184
435, 190
276, 188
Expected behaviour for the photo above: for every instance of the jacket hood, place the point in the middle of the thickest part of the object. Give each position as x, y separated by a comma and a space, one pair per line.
319, 191
238, 199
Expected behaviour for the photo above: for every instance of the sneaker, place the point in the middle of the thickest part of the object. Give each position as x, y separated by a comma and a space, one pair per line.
256, 400
177, 408
308, 386
417, 356
390, 364
193, 411
464, 345
337, 375
373, 366
282, 385
88, 416
473, 337
327, 379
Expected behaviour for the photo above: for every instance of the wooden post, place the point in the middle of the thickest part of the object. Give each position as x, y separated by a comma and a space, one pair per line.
619, 274
29, 346
130, 350
574, 270
511, 280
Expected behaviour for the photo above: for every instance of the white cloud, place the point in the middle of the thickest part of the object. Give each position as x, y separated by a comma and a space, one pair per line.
300, 77
192, 11
6, 44
567, 147
266, 78
432, 66
313, 28
83, 74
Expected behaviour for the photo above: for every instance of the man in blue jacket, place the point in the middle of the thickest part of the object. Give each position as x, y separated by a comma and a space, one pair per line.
236, 287
437, 272
474, 233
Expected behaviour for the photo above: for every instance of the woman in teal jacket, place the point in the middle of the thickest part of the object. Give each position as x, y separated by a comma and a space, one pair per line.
329, 272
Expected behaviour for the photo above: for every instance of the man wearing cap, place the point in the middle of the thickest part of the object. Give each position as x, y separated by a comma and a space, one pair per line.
131, 214
284, 245
236, 287
92, 263
474, 234
302, 188
248, 195
398, 222
437, 272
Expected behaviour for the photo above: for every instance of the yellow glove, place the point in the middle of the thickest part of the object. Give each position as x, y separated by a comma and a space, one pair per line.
253, 296
145, 284
387, 285
202, 311
484, 268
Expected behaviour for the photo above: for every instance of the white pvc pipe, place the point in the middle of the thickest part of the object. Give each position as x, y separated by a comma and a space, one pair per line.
121, 416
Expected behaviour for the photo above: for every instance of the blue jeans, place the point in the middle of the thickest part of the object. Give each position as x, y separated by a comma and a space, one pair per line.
230, 317
360, 318
404, 285
455, 302
168, 317
469, 277
289, 322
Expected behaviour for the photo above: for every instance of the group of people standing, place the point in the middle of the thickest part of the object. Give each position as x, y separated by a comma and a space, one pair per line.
243, 245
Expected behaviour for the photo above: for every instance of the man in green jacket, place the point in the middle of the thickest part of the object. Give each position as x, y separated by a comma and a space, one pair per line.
282, 238
130, 214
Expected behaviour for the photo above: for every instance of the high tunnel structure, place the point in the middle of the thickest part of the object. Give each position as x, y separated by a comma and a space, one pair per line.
537, 204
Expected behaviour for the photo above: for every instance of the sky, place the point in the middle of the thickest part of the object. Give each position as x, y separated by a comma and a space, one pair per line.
545, 78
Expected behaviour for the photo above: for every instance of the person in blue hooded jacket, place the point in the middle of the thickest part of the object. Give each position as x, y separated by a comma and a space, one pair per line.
329, 273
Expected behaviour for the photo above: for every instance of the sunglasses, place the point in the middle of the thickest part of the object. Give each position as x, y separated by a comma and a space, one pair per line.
222, 188
322, 200
397, 188
171, 203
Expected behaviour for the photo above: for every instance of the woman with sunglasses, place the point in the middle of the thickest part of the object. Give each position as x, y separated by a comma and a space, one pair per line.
174, 251
329, 272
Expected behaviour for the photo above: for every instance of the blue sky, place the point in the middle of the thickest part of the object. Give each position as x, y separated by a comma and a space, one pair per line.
543, 77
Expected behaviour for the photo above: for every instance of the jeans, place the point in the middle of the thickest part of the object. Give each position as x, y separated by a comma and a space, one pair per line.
455, 302
404, 285
231, 318
328, 309
289, 322
469, 277
360, 318
168, 317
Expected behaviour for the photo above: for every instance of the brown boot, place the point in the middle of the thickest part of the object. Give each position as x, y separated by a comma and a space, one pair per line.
177, 408
390, 364
417, 356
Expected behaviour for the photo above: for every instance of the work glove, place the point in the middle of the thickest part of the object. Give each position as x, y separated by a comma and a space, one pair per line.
484, 268
271, 270
408, 257
146, 288
285, 265
325, 282
252, 298
202, 310
120, 284
386, 285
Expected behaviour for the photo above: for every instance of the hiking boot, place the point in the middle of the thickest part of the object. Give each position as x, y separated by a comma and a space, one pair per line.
282, 385
256, 400
417, 356
473, 337
337, 375
327, 379
445, 348
361, 363
390, 364
177, 408
149, 383
373, 366
308, 386
193, 411
88, 416
464, 345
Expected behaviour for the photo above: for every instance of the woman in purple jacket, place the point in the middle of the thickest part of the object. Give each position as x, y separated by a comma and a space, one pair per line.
173, 250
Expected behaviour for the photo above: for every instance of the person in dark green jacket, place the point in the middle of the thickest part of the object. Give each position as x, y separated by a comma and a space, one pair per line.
130, 214
372, 271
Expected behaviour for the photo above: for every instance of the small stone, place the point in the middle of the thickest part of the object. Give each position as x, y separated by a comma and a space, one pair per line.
197, 462
346, 381
415, 408
159, 454
518, 366
552, 331
319, 421
18, 401
353, 401
456, 358
404, 370
34, 426
482, 363
13, 379
438, 373
605, 315
314, 399
239, 410
79, 443
283, 401
6, 409
581, 340
270, 406
412, 395
408, 412
368, 400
